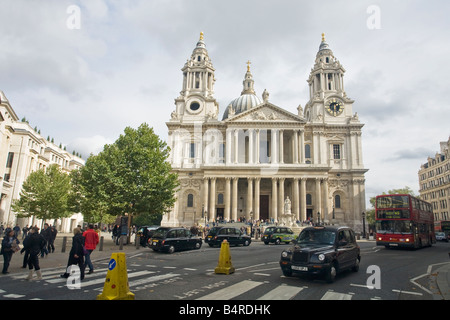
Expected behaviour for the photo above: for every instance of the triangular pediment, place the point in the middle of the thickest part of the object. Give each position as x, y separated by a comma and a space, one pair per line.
266, 112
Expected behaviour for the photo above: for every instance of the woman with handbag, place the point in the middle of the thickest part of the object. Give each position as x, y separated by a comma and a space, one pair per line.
76, 255
10, 245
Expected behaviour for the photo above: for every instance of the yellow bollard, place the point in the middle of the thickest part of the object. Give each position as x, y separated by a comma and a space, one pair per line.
224, 266
116, 282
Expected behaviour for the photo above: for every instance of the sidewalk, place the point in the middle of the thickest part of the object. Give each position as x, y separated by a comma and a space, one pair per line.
59, 259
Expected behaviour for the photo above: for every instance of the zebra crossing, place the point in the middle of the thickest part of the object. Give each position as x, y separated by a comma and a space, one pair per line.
152, 277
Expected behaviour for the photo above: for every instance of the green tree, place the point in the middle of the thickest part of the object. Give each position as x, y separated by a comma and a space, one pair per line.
131, 175
44, 195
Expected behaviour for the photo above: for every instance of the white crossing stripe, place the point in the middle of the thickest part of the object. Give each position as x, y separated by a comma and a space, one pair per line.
102, 280
232, 291
282, 292
152, 279
13, 296
331, 295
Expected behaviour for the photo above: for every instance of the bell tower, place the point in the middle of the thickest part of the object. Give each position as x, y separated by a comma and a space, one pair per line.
328, 101
196, 101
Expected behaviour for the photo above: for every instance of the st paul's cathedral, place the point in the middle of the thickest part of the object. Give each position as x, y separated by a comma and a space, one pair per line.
259, 161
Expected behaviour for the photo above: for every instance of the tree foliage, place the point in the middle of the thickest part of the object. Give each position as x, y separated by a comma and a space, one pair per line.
44, 195
129, 176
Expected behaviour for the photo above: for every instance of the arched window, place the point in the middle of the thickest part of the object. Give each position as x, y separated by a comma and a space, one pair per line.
307, 151
308, 200
190, 200
337, 201
220, 198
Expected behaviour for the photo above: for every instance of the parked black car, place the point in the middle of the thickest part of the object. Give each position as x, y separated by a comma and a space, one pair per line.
145, 233
322, 251
174, 239
233, 235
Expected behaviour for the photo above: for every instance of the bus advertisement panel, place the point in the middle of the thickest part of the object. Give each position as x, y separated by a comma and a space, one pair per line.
403, 221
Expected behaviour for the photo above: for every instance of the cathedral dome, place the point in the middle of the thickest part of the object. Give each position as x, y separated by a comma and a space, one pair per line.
247, 100
241, 104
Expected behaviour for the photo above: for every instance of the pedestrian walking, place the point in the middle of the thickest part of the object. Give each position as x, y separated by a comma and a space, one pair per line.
25, 231
91, 240
52, 236
10, 245
27, 251
47, 235
76, 255
33, 244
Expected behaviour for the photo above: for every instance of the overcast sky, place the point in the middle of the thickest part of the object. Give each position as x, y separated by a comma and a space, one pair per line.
83, 84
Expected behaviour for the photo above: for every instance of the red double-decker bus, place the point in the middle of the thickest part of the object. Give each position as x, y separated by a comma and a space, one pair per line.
403, 221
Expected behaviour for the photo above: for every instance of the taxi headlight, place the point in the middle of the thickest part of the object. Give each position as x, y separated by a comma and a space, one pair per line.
284, 254
321, 257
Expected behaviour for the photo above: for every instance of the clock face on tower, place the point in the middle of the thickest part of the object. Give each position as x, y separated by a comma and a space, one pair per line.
334, 107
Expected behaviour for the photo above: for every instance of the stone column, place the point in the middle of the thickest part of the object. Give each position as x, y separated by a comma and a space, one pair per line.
249, 197
236, 145
212, 204
274, 213
296, 200
302, 146
234, 201
295, 151
227, 198
206, 196
257, 195
257, 146
229, 145
318, 204
281, 196
250, 146
281, 149
303, 199
274, 151
325, 200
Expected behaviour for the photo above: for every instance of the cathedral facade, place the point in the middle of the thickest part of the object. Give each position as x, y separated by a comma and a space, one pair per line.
260, 162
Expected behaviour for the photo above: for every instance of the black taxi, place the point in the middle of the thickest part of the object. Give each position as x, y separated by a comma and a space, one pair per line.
174, 239
322, 251
233, 235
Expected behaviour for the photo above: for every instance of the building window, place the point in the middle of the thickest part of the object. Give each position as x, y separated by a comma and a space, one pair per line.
220, 198
9, 162
192, 150
190, 200
308, 151
336, 151
308, 200
337, 201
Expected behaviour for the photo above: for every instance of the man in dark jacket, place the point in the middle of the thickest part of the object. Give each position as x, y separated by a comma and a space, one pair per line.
46, 233
34, 243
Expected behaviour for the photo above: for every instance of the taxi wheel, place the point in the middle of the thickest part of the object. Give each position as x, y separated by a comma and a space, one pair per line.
356, 265
278, 241
171, 249
198, 245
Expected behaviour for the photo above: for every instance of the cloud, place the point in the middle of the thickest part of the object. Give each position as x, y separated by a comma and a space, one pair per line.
88, 145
